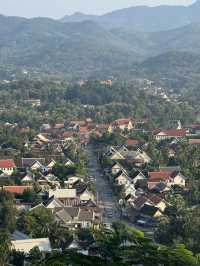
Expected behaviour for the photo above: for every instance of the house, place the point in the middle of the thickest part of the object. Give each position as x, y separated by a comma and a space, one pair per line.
170, 134
137, 176
67, 196
149, 212
68, 135
122, 178
74, 125
67, 216
33, 164
68, 162
7, 166
194, 142
104, 128
131, 143
193, 129
72, 181
168, 178
50, 164
17, 190
157, 202
62, 193
26, 245
123, 124
42, 138
119, 153
116, 168
116, 152
178, 179
28, 178
89, 217
46, 182
86, 195
130, 190
53, 203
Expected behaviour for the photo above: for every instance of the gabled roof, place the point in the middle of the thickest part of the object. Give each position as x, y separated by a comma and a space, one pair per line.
26, 245
159, 176
85, 215
154, 199
63, 193
173, 133
131, 142
170, 168
83, 129
194, 141
28, 162
68, 134
148, 210
8, 163
16, 189
134, 174
63, 215
121, 122
54, 202
139, 202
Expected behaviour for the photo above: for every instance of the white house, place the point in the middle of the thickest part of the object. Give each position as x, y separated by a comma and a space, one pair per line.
7, 166
26, 245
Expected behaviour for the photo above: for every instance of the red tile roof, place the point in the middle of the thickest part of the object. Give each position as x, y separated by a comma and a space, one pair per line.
9, 163
16, 189
121, 122
173, 132
159, 176
131, 142
83, 130
192, 126
193, 141
68, 134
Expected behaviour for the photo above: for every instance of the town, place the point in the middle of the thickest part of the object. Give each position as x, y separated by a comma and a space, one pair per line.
100, 133
86, 176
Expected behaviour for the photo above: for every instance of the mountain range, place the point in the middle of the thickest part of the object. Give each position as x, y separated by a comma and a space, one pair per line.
81, 49
143, 18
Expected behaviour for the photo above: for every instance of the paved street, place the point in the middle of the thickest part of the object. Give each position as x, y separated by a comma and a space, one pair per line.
105, 197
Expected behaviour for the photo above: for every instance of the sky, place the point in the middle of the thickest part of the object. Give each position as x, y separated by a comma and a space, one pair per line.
59, 8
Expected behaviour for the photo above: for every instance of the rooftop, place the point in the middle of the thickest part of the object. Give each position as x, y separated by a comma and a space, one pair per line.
8, 163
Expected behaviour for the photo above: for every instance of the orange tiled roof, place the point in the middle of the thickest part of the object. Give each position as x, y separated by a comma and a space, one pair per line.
9, 163
121, 122
159, 176
131, 142
193, 141
16, 189
174, 132
68, 134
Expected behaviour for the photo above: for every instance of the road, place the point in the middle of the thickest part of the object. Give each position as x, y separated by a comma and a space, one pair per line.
105, 197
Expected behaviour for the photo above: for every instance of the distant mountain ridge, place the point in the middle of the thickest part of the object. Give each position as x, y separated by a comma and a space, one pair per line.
82, 49
143, 18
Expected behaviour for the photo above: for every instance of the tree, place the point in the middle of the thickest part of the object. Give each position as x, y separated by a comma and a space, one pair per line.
180, 224
7, 212
5, 245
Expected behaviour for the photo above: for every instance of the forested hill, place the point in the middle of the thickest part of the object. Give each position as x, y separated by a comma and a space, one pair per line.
85, 49
146, 19
175, 69
68, 48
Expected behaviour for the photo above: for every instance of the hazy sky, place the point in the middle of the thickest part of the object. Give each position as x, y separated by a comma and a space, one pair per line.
58, 8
